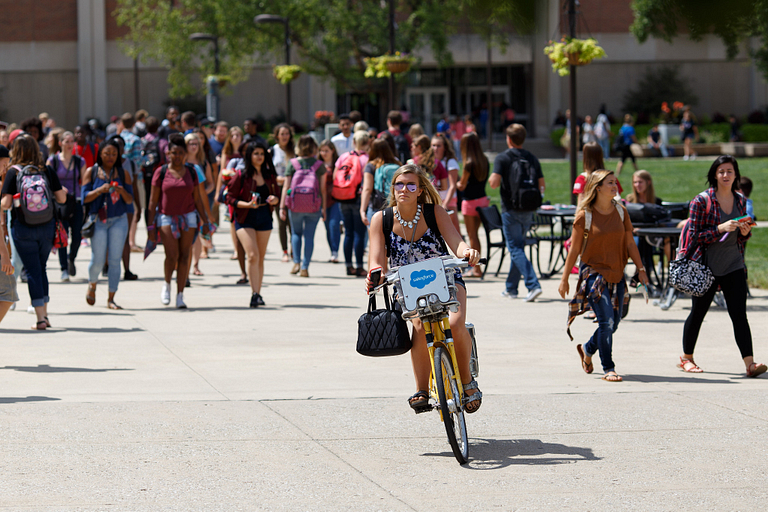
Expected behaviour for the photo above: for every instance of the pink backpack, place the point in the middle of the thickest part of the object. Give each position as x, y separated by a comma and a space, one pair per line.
305, 189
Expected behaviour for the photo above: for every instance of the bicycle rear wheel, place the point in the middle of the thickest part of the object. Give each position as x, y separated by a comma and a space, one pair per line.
450, 405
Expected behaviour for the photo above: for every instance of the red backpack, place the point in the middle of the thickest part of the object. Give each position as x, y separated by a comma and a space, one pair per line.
347, 176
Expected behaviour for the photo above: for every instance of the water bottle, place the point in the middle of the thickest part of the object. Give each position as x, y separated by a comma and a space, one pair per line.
474, 365
16, 200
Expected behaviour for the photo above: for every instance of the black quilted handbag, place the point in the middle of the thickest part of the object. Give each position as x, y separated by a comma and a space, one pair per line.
383, 332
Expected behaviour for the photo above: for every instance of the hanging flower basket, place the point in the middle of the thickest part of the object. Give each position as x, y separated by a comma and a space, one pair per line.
386, 65
572, 52
286, 74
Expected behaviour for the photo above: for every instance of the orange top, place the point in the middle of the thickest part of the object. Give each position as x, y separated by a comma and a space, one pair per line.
606, 250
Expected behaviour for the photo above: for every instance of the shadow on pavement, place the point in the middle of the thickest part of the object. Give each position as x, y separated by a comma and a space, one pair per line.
655, 320
16, 400
110, 330
319, 306
485, 454
687, 379
44, 368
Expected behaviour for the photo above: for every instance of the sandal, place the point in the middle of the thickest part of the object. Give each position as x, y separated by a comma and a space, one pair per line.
112, 305
197, 272
687, 365
756, 369
242, 280
587, 367
590, 315
39, 326
47, 322
419, 402
471, 400
90, 295
612, 377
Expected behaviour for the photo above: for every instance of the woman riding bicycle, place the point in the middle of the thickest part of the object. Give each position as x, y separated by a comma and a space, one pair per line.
412, 240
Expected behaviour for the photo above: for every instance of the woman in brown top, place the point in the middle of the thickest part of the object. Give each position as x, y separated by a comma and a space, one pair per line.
604, 249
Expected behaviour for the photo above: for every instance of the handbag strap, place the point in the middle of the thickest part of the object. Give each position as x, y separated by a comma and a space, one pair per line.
372, 301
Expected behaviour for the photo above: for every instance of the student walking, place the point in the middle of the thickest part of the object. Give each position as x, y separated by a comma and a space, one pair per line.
718, 242
602, 235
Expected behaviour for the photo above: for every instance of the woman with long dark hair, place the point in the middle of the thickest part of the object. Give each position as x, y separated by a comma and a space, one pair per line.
591, 161
719, 244
108, 191
253, 193
175, 192
33, 240
472, 184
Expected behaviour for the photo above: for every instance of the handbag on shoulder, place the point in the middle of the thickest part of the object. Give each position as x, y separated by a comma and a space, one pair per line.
685, 274
383, 332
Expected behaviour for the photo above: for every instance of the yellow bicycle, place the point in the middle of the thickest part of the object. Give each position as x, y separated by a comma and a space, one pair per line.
427, 290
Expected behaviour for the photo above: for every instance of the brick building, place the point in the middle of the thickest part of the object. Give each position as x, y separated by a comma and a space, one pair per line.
63, 57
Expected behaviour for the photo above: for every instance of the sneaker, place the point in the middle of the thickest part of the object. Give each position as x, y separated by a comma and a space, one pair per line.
64, 276
685, 158
533, 294
105, 271
71, 268
165, 294
693, 156
31, 310
180, 301
255, 300
130, 276
508, 295
13, 306
720, 300
260, 300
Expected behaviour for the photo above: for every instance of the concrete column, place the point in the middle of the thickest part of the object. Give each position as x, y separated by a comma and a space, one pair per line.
92, 59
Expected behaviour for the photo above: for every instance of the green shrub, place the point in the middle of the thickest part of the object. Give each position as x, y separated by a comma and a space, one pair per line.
721, 132
755, 132
556, 135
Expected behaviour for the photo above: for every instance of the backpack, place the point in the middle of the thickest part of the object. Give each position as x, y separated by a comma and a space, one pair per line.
519, 185
150, 154
347, 177
647, 213
382, 182
388, 222
305, 189
402, 147
36, 205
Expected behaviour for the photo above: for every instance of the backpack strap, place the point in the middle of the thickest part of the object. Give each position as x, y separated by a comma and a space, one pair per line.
429, 217
295, 163
388, 222
588, 223
319, 163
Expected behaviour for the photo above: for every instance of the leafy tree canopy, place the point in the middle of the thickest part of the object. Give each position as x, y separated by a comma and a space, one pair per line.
733, 22
331, 37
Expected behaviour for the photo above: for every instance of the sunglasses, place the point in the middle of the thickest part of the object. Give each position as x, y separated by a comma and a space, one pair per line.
412, 187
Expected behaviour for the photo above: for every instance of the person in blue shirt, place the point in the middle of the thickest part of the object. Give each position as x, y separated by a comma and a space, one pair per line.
627, 132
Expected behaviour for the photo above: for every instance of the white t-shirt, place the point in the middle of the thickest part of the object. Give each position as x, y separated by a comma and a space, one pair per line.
343, 144
450, 164
279, 160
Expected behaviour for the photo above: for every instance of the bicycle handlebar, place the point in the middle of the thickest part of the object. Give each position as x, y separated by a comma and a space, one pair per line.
392, 277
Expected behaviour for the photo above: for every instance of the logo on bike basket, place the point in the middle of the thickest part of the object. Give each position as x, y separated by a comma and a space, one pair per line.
421, 278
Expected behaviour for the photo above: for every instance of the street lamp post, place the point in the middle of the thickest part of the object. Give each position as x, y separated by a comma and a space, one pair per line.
212, 83
273, 18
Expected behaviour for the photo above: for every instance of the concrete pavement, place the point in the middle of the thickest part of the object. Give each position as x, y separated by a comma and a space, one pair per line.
221, 407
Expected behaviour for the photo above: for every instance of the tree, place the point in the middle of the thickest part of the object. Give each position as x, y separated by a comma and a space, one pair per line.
332, 37
733, 23
656, 87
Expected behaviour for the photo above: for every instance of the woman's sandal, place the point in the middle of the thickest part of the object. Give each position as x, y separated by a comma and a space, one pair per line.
687, 365
472, 402
39, 326
197, 272
90, 295
612, 377
113, 305
756, 369
587, 367
419, 402
47, 322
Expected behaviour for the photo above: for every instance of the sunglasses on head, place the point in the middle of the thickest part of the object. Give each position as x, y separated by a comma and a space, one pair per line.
412, 187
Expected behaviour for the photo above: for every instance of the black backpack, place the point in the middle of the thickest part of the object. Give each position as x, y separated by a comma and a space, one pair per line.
647, 213
388, 222
150, 154
519, 185
402, 147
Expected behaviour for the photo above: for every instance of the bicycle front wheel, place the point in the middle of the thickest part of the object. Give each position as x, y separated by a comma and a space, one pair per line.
450, 405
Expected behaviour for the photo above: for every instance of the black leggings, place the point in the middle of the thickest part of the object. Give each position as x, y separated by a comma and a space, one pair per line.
734, 287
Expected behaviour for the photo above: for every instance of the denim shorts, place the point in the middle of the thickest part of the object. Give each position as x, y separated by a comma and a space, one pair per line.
165, 220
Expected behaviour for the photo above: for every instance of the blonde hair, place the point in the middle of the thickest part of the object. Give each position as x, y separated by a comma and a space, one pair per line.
650, 194
590, 189
361, 139
200, 154
360, 126
428, 194
415, 131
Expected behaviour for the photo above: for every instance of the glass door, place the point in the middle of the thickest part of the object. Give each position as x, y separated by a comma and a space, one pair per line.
427, 106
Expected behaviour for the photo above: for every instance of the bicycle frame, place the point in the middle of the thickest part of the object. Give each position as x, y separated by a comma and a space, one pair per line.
438, 332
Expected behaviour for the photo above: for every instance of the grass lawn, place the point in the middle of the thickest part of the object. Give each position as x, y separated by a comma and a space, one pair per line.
676, 180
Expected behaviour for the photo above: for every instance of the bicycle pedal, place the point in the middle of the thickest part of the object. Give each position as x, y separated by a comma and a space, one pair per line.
423, 408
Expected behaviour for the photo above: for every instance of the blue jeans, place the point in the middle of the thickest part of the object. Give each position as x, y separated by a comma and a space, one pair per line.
333, 227
33, 244
605, 144
74, 225
607, 322
354, 234
108, 236
303, 225
516, 225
